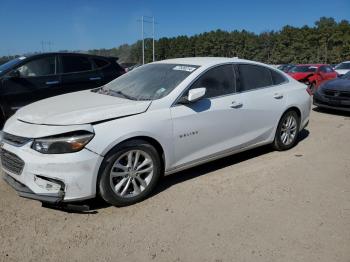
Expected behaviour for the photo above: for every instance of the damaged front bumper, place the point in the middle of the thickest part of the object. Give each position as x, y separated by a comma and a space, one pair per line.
24, 191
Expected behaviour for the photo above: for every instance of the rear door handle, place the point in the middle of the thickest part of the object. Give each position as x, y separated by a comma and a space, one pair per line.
52, 82
278, 96
236, 105
94, 78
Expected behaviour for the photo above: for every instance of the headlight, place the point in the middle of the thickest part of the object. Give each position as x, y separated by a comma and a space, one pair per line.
65, 143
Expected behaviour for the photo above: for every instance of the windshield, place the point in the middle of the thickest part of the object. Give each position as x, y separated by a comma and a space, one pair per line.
149, 82
343, 66
346, 76
10, 63
303, 69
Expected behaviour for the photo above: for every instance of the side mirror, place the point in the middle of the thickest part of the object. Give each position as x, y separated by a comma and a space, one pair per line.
14, 74
193, 95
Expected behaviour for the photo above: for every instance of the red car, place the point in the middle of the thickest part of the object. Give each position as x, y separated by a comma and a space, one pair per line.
313, 74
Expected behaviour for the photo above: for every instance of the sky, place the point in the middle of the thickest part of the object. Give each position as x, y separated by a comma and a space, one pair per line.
89, 24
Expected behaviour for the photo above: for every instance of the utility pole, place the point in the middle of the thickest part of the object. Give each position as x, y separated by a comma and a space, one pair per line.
143, 42
49, 43
146, 19
154, 59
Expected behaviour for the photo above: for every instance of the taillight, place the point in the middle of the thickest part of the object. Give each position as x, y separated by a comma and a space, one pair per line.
308, 90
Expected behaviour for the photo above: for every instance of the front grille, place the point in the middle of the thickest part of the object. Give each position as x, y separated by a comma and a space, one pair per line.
337, 94
15, 140
10, 162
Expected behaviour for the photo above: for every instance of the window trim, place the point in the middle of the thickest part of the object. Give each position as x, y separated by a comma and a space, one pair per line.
175, 103
31, 60
258, 88
77, 72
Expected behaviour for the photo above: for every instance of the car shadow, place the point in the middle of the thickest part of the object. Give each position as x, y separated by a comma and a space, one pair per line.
331, 111
171, 180
198, 171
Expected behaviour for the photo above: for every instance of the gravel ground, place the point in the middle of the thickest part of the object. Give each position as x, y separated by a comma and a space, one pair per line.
255, 206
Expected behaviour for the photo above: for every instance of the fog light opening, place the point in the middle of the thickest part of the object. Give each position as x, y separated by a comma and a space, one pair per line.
49, 184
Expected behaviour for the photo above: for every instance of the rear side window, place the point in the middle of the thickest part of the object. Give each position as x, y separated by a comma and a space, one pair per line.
253, 77
100, 62
218, 81
39, 67
277, 78
73, 64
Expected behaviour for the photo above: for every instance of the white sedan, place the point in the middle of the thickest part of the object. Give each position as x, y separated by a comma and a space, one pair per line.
116, 141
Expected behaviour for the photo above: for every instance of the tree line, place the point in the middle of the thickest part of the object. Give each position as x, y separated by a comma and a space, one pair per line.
328, 41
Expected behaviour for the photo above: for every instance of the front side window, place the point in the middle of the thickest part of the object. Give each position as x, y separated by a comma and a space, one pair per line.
323, 69
74, 64
38, 67
329, 69
253, 77
149, 82
217, 81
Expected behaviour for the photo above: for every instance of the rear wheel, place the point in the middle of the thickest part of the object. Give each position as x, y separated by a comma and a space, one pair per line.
129, 173
287, 131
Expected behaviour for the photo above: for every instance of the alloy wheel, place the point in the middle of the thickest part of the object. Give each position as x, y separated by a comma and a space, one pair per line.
131, 173
288, 130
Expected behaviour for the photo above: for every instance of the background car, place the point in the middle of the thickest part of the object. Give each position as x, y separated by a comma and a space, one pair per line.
28, 79
286, 67
160, 118
334, 94
342, 68
312, 74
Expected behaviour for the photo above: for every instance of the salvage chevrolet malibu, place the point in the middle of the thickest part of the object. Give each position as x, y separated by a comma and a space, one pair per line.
116, 141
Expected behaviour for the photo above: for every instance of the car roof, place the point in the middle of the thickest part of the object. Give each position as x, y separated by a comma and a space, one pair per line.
315, 65
66, 53
205, 61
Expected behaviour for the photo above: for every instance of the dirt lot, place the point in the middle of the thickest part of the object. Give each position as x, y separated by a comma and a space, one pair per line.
255, 206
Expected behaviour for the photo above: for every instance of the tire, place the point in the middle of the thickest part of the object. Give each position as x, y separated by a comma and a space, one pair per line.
287, 132
124, 178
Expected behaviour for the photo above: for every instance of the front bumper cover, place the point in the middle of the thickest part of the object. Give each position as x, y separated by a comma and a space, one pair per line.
25, 192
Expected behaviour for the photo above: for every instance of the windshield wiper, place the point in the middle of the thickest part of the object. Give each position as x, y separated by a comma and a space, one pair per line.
122, 94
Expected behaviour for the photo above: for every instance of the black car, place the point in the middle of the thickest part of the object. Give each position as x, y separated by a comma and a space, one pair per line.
28, 79
334, 94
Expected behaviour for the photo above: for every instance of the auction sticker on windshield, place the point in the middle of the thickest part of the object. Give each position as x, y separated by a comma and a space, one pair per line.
185, 68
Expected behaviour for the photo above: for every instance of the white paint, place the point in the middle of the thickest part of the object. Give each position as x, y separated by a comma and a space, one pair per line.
187, 133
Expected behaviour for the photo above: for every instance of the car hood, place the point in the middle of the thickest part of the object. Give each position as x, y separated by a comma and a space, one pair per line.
337, 84
78, 108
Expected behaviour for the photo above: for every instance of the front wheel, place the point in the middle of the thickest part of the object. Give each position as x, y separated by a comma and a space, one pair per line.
287, 131
129, 173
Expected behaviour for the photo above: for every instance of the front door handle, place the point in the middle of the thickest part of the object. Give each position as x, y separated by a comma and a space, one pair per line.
52, 82
236, 105
278, 96
94, 78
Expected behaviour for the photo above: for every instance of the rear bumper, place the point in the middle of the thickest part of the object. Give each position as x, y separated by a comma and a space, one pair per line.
25, 192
